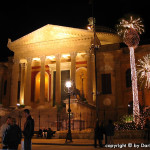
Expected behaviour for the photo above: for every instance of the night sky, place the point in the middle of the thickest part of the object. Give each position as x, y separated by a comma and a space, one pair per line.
19, 19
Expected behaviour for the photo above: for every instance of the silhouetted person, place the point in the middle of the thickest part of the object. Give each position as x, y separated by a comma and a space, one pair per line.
50, 133
96, 134
12, 136
45, 133
147, 129
4, 127
101, 132
28, 130
110, 131
40, 134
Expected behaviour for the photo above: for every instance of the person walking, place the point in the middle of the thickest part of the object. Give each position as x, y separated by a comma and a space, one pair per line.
96, 134
4, 127
28, 130
110, 131
12, 136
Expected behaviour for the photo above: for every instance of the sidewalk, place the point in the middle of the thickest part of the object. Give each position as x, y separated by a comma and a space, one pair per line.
82, 142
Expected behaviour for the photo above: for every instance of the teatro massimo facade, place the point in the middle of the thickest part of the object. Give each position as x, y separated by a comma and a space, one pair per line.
48, 57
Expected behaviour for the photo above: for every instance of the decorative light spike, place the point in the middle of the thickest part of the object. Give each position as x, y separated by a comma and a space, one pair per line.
136, 110
143, 71
129, 30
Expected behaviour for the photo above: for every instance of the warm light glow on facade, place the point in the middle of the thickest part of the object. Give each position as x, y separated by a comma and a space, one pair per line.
36, 59
65, 55
22, 102
50, 57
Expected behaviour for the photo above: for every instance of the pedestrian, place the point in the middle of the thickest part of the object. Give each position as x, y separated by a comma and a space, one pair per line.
101, 133
12, 136
40, 133
110, 131
147, 129
28, 130
4, 127
96, 134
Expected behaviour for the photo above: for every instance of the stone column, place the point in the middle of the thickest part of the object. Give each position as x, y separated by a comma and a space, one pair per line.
73, 66
22, 83
28, 83
14, 82
93, 76
9, 74
42, 80
89, 79
58, 80
51, 69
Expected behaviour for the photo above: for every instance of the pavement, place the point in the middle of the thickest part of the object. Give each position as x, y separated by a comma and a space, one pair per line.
83, 142
86, 142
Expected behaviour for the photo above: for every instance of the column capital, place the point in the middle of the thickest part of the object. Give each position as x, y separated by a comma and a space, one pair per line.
58, 56
23, 65
29, 59
42, 58
73, 54
16, 60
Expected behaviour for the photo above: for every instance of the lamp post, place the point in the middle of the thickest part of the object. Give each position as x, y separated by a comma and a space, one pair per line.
95, 45
68, 89
20, 116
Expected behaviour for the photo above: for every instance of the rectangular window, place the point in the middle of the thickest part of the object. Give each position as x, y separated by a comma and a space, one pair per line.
106, 84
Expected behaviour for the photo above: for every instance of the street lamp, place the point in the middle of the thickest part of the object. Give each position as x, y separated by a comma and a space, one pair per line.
68, 89
20, 116
95, 45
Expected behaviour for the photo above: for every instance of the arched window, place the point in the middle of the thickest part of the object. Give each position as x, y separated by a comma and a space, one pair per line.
128, 78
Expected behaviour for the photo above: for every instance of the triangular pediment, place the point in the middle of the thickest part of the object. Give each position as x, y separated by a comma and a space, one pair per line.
51, 39
50, 33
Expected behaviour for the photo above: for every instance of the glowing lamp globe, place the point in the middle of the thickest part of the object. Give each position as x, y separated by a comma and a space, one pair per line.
68, 84
69, 87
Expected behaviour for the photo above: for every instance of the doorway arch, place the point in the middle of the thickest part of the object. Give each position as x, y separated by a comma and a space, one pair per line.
81, 81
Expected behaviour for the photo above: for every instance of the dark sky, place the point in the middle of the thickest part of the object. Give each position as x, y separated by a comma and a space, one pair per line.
17, 20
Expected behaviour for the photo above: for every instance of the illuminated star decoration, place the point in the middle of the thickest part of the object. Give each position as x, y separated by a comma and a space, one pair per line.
143, 71
129, 30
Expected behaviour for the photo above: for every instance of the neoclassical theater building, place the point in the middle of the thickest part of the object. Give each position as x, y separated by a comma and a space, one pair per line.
48, 57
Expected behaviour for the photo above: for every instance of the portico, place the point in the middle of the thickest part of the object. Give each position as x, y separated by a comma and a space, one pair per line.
43, 57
